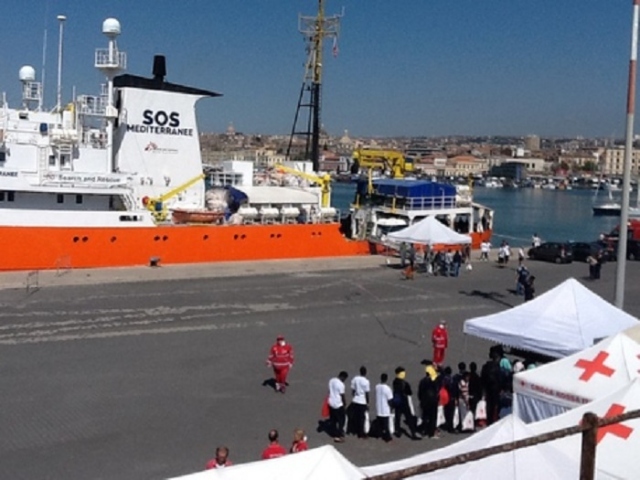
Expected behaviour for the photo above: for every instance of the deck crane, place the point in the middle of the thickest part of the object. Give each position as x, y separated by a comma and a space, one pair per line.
323, 180
157, 205
392, 162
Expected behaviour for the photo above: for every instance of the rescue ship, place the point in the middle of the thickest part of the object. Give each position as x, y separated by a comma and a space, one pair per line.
117, 179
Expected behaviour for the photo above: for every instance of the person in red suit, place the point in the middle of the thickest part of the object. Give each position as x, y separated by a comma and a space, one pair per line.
221, 460
440, 341
281, 359
299, 441
274, 449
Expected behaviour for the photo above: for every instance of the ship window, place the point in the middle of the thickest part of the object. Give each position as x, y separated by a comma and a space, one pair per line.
79, 199
3, 156
11, 196
64, 160
60, 198
52, 159
1, 196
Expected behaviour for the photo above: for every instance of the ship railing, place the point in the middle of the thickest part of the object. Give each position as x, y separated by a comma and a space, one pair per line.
112, 60
91, 105
420, 203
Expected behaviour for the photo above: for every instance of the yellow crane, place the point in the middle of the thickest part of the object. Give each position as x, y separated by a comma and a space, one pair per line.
324, 181
392, 161
157, 205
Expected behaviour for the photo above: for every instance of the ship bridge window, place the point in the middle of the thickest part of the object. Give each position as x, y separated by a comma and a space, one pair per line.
65, 160
60, 198
3, 156
79, 199
11, 196
52, 160
23, 115
1, 196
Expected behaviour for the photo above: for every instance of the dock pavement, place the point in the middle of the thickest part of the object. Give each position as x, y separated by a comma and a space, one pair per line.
140, 373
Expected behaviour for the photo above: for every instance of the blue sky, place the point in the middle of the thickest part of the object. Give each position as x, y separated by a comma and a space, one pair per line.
410, 67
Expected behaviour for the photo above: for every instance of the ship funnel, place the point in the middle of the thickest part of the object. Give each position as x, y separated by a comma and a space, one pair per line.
159, 68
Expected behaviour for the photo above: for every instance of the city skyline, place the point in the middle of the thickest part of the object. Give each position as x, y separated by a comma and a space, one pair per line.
554, 69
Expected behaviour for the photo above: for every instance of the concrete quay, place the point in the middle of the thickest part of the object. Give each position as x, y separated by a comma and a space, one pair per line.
140, 373
93, 276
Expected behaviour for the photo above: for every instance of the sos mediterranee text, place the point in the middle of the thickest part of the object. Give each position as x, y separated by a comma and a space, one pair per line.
161, 123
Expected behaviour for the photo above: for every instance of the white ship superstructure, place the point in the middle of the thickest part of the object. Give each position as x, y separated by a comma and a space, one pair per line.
97, 159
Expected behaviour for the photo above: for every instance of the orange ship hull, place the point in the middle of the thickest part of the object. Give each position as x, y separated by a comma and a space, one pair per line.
41, 248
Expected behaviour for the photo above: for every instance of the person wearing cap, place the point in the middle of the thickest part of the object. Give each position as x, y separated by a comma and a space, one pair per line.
281, 359
428, 396
440, 341
402, 404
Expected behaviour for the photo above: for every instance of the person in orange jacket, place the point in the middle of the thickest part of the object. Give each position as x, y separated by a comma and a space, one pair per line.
440, 341
281, 359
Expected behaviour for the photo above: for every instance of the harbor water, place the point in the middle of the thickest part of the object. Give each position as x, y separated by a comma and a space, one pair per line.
555, 215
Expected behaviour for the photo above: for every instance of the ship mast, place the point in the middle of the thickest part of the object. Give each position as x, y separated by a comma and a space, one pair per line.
314, 29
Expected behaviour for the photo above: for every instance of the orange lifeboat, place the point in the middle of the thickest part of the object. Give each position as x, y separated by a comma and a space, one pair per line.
181, 216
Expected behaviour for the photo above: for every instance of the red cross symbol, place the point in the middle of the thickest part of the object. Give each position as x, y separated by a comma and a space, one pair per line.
594, 366
617, 429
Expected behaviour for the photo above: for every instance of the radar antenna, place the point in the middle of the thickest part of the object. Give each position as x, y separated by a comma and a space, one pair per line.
314, 29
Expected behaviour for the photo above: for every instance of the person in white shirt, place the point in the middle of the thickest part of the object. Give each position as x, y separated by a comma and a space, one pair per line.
535, 240
336, 407
360, 402
485, 248
384, 395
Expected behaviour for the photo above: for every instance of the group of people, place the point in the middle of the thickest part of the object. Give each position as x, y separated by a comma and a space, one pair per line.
525, 282
273, 450
451, 402
447, 401
445, 263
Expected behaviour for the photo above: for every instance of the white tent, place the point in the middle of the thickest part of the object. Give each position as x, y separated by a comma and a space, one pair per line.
559, 386
523, 464
616, 456
429, 231
560, 322
315, 464
618, 445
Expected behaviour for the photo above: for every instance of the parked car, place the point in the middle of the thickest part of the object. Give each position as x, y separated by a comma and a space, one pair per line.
557, 252
582, 250
633, 250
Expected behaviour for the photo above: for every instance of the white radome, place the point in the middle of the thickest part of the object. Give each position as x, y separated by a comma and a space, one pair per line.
111, 26
27, 73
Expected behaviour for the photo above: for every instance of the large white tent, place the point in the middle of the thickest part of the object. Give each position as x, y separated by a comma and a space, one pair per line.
616, 458
429, 231
559, 386
618, 445
560, 322
315, 464
522, 464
